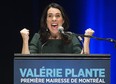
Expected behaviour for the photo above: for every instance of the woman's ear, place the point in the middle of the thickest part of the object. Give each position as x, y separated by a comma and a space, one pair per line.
63, 22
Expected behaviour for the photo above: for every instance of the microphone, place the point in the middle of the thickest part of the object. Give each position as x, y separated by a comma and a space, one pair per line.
98, 38
66, 35
61, 29
82, 35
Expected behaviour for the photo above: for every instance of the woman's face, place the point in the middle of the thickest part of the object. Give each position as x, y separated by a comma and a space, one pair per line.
54, 20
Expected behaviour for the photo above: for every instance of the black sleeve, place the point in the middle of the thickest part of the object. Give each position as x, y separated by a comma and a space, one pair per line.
77, 47
35, 43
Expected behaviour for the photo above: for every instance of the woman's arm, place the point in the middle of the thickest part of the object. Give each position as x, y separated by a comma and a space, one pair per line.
87, 41
25, 36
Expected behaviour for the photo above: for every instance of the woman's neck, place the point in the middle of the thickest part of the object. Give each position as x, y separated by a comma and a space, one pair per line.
55, 37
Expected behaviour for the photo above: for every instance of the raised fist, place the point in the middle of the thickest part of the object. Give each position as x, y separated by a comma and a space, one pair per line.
25, 34
89, 31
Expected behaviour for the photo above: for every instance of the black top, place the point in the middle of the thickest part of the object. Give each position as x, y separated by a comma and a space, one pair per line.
55, 45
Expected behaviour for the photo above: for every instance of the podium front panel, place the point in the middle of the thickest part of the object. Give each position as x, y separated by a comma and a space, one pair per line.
61, 69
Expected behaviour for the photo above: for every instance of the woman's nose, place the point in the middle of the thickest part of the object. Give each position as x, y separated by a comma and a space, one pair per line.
54, 18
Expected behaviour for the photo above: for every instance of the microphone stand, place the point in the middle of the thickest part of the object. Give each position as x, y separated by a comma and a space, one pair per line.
97, 38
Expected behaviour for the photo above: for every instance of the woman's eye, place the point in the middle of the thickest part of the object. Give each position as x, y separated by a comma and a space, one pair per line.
57, 15
49, 15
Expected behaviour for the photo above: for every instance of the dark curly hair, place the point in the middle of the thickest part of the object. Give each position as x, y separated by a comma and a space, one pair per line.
44, 35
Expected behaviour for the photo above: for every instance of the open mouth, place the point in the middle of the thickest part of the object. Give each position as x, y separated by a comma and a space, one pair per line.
54, 26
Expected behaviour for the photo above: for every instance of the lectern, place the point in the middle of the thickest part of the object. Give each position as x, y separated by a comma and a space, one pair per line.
61, 69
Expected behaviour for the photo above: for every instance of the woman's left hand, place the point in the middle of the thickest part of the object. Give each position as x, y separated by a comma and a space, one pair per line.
89, 31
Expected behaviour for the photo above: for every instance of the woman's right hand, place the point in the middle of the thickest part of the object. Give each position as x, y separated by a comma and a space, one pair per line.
25, 34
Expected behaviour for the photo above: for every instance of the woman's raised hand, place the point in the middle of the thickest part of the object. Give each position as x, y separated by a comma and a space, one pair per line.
25, 34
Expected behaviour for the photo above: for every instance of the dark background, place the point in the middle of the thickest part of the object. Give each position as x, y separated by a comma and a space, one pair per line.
7, 25
15, 15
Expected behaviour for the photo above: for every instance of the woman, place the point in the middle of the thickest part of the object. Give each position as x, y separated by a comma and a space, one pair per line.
49, 39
